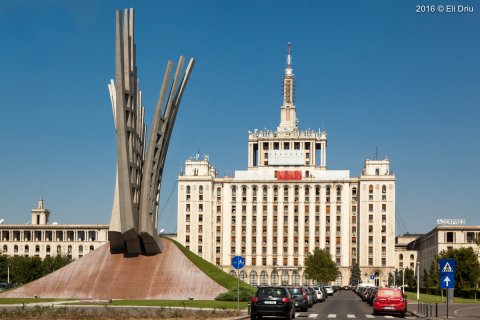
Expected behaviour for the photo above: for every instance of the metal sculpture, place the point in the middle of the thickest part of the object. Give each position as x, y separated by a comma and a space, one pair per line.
133, 225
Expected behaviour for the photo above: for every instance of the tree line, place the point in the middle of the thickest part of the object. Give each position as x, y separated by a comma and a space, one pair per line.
320, 268
24, 269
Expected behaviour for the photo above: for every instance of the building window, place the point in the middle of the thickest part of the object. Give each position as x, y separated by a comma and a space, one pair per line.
450, 237
253, 278
200, 190
470, 237
370, 261
274, 278
384, 189
200, 208
263, 277
400, 257
370, 207
384, 208
370, 189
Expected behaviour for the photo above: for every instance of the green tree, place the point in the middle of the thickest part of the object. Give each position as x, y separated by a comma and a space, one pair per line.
3, 267
51, 264
390, 279
355, 274
25, 269
410, 280
467, 267
434, 273
427, 281
320, 267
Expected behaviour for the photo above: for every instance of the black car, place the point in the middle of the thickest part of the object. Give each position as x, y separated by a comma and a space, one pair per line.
272, 301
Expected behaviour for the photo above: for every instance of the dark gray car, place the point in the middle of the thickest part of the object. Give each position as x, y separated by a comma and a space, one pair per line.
299, 296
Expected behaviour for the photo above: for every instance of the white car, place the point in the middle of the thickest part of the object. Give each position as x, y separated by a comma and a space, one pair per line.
319, 293
329, 290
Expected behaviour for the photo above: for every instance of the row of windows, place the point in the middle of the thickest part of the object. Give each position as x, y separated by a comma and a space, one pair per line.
17, 235
273, 279
286, 189
400, 256
26, 249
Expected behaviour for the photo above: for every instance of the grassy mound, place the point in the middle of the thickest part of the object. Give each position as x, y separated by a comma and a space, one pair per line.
219, 276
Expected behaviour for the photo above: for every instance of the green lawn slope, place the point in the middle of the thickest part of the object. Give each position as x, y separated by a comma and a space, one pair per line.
219, 276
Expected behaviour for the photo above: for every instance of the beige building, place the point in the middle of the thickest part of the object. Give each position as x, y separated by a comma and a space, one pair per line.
286, 204
442, 238
41, 238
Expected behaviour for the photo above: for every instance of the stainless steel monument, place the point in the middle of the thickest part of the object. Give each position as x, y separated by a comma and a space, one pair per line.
133, 225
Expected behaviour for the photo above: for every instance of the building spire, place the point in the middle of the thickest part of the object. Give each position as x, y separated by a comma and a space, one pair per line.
288, 117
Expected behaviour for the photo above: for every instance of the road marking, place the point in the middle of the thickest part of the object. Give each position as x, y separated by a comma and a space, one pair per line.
332, 315
369, 316
389, 317
313, 315
350, 316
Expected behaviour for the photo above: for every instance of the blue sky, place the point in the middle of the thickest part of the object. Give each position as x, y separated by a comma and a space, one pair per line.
372, 73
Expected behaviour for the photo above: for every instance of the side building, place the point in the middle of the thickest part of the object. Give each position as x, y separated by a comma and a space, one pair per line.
41, 239
286, 204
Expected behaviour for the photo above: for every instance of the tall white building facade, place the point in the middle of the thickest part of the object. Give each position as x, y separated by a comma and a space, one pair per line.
286, 204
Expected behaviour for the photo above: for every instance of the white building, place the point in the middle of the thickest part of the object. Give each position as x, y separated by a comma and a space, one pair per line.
286, 204
42, 239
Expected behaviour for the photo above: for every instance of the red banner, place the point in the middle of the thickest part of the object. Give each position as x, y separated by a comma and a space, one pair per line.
288, 175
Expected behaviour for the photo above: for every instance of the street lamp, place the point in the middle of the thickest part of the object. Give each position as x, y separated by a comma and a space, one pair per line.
403, 280
418, 280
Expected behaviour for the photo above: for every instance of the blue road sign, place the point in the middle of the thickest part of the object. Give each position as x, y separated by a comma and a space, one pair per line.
447, 273
372, 277
238, 262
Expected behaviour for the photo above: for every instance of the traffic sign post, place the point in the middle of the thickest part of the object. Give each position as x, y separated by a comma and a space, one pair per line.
238, 263
447, 276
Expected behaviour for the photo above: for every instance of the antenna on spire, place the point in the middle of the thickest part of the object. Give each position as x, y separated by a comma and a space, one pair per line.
289, 56
376, 152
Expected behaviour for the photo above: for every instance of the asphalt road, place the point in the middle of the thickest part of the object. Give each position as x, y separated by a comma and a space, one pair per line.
342, 305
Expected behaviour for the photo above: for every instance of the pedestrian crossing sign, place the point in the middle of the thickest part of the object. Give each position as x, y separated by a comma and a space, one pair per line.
447, 266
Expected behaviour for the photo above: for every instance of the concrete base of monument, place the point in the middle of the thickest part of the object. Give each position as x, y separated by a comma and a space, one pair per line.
102, 275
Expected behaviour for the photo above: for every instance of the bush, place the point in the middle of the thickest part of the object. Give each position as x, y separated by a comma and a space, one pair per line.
245, 295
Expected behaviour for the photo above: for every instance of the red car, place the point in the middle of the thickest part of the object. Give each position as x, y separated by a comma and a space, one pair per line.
389, 300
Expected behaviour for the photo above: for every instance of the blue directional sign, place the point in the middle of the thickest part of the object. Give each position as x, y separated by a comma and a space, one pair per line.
372, 277
238, 262
447, 273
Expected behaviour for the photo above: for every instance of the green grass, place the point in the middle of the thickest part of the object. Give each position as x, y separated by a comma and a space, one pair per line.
182, 303
430, 298
218, 275
27, 300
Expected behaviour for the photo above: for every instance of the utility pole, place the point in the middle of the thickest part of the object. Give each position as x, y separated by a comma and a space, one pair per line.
418, 281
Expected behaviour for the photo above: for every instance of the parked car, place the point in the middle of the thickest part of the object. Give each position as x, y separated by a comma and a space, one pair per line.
272, 301
329, 290
319, 293
390, 300
5, 286
314, 295
299, 295
325, 295
371, 295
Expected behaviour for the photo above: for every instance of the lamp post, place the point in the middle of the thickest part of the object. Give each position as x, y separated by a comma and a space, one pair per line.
403, 280
418, 280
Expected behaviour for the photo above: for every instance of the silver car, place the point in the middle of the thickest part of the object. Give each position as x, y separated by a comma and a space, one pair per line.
329, 290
